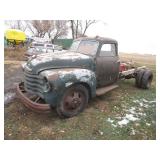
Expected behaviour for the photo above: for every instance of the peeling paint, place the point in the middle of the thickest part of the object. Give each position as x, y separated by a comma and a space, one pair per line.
68, 84
79, 75
43, 58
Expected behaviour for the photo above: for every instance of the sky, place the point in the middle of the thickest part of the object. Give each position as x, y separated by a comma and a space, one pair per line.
133, 35
134, 24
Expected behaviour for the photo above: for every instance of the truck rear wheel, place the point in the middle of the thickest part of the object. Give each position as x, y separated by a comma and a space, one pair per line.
146, 79
74, 100
138, 77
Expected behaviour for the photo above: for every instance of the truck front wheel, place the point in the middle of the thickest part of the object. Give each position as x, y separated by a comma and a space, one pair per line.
74, 100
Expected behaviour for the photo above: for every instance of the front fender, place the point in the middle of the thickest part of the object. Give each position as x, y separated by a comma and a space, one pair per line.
61, 79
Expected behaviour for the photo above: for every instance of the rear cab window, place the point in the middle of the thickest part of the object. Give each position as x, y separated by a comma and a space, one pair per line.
108, 49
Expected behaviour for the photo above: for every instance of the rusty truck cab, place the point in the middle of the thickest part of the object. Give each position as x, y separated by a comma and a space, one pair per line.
106, 59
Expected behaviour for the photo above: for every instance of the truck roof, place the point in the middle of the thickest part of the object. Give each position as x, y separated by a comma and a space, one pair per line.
100, 39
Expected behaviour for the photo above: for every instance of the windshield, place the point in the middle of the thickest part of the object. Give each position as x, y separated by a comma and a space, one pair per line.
88, 47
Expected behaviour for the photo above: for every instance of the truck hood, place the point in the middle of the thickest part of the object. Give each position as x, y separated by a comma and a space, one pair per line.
59, 60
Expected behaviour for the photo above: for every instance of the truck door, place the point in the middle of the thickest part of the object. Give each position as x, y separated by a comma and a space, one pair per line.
107, 64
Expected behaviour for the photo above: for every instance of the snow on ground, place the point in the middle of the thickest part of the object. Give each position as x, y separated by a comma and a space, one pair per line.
132, 114
8, 97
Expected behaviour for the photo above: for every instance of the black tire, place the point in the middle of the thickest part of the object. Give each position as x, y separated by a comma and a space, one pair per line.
74, 101
146, 79
138, 77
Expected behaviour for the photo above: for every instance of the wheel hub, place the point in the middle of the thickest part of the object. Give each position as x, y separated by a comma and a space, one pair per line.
73, 101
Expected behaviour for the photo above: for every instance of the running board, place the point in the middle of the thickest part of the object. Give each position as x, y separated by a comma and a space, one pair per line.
103, 90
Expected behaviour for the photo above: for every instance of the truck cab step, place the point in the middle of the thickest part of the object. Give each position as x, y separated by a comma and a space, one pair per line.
103, 90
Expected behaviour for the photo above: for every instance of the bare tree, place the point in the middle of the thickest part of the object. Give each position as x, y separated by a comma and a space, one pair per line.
39, 27
16, 24
79, 27
72, 28
60, 29
87, 24
51, 28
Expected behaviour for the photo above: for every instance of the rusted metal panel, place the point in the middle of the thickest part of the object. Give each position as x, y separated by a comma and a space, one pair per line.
60, 60
29, 103
107, 66
65, 77
101, 91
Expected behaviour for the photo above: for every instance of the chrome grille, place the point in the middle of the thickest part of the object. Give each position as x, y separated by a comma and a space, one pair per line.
33, 83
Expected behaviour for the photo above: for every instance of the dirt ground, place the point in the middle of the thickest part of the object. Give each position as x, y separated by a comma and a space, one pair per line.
13, 74
124, 113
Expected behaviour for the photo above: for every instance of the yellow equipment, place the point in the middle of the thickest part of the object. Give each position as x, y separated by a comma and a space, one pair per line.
15, 36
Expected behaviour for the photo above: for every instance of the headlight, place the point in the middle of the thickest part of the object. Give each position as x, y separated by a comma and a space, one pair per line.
47, 86
23, 65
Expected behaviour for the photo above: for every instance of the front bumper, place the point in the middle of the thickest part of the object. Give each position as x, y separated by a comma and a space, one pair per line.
31, 102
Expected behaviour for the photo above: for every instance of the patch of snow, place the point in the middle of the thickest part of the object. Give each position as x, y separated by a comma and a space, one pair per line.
136, 101
137, 124
146, 106
127, 119
101, 133
133, 132
140, 109
144, 100
123, 122
133, 114
148, 124
153, 122
144, 103
132, 110
131, 117
114, 125
8, 97
152, 102
141, 114
141, 104
110, 120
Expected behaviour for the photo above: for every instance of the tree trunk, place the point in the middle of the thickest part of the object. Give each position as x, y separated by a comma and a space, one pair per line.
77, 29
72, 28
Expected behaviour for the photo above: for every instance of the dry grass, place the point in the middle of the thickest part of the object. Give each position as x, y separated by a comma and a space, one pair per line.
14, 53
145, 59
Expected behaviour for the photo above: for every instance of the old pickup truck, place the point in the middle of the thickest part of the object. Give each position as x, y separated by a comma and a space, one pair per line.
67, 81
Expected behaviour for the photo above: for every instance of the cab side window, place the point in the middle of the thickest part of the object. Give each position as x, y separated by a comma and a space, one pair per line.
108, 50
